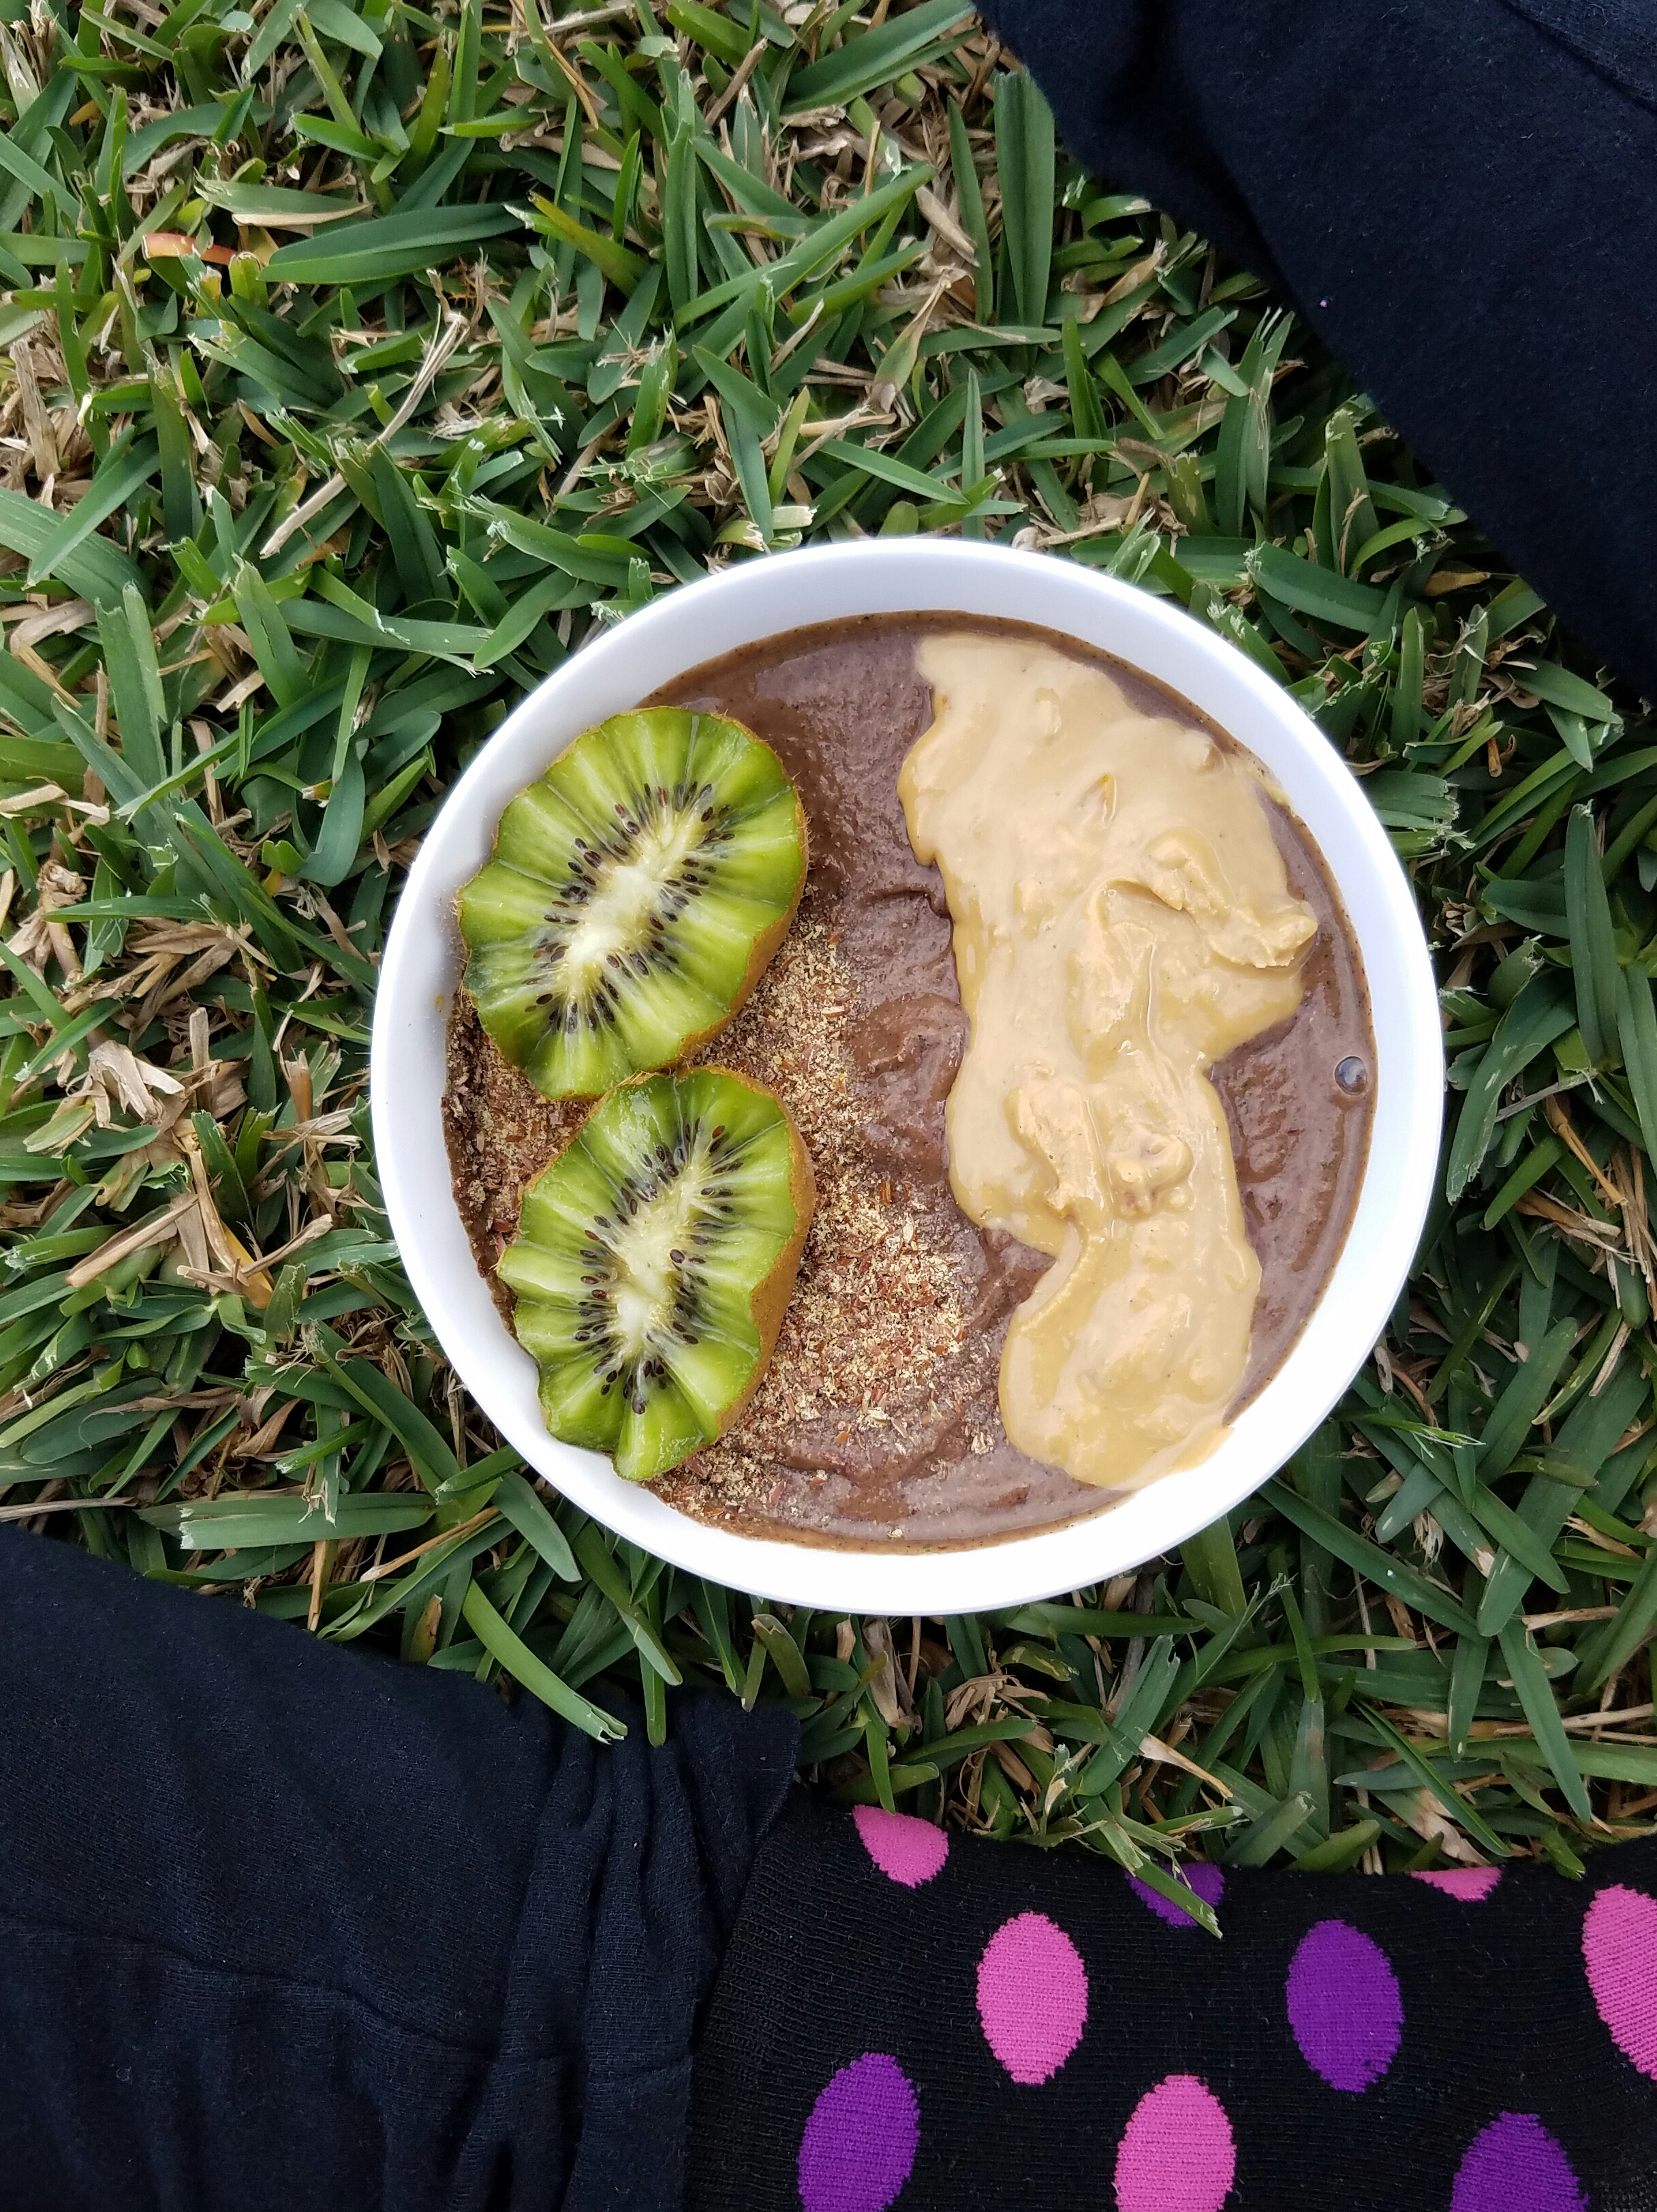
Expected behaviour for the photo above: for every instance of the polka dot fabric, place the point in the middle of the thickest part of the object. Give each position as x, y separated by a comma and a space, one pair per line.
1473, 1885
1032, 1997
1619, 1949
1344, 2005
1207, 1882
926, 2024
859, 2143
1177, 2152
907, 1850
1514, 2165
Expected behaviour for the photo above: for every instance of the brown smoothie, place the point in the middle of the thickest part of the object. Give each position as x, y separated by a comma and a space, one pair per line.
877, 1421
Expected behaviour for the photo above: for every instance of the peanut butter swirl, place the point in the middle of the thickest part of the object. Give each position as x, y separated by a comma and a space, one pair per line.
1121, 920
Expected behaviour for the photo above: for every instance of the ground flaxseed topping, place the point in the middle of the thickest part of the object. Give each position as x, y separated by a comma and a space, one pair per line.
876, 1332
500, 1132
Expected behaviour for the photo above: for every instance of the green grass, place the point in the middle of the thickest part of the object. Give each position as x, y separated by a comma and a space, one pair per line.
466, 334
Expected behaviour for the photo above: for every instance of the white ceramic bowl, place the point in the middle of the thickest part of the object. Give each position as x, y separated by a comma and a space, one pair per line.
759, 599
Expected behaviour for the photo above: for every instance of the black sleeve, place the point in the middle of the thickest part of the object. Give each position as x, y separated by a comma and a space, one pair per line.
281, 1926
1460, 195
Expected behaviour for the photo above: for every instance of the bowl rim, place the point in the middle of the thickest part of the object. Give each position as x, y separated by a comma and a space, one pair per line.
741, 605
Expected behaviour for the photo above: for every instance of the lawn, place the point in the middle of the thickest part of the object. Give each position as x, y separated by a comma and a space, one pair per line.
362, 363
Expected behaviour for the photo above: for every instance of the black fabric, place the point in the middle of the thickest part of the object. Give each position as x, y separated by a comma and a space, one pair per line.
1460, 195
1617, 37
832, 1963
280, 1926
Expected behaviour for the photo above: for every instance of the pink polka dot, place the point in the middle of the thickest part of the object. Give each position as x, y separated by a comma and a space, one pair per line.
1176, 2154
1032, 1997
906, 1850
1472, 1884
1619, 1948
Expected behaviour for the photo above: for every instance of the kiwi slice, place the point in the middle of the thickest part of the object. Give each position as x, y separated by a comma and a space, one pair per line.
653, 1260
635, 895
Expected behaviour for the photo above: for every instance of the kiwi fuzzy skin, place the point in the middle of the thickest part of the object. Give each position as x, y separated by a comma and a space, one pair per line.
758, 960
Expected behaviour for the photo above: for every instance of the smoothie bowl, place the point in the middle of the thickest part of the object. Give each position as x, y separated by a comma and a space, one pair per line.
942, 1081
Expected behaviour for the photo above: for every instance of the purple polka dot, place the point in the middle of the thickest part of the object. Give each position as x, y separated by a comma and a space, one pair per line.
1032, 1997
1472, 1884
1619, 1949
905, 1850
1177, 2152
860, 2142
1344, 2005
1203, 1881
1515, 2166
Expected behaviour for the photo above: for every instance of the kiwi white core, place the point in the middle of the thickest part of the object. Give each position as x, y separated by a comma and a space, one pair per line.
643, 1250
628, 893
